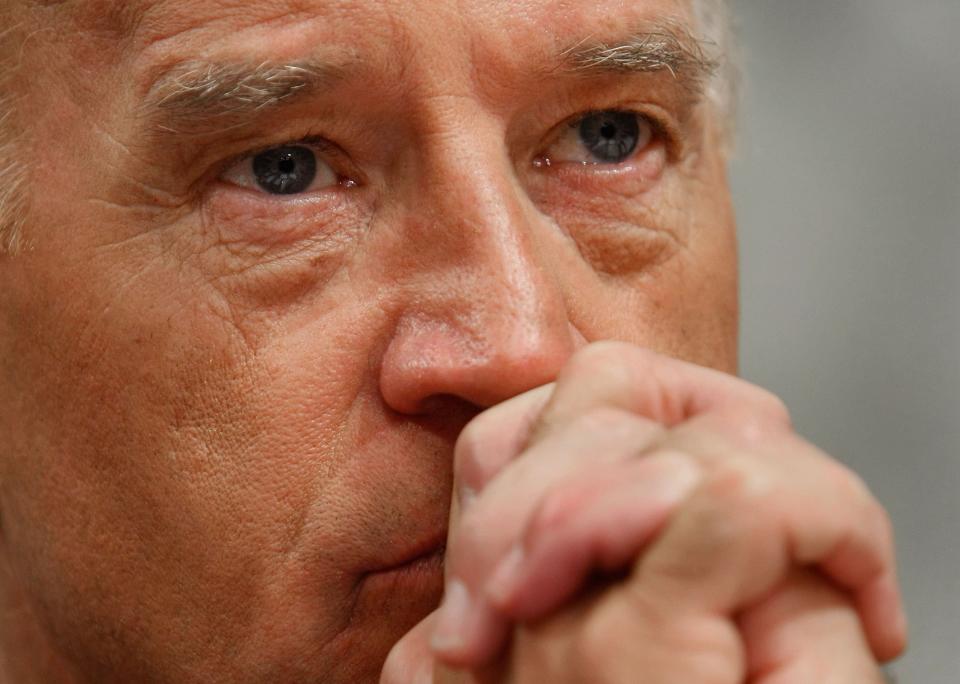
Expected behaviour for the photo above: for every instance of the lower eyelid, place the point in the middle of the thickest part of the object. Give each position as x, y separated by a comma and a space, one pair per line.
247, 216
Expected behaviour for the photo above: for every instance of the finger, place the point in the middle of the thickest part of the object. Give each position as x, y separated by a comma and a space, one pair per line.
470, 631
493, 439
410, 660
827, 517
806, 631
747, 525
657, 387
600, 521
485, 446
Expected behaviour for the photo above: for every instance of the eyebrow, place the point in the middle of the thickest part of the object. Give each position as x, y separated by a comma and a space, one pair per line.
666, 46
195, 92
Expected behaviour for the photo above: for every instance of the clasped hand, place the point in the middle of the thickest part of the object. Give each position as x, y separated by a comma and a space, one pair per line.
644, 519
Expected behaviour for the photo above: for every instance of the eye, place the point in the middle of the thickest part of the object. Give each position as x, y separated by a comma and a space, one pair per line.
603, 137
283, 170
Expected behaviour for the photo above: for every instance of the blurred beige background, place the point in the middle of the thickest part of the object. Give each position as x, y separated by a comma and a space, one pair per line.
847, 185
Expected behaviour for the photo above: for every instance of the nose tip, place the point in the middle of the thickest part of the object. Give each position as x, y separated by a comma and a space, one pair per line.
428, 361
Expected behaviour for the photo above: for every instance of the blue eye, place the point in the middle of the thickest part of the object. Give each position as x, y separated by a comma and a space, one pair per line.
600, 138
285, 170
610, 137
292, 169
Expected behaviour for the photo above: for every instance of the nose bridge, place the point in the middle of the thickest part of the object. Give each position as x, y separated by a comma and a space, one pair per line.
474, 216
484, 319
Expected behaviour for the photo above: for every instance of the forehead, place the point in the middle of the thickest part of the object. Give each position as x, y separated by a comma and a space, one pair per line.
442, 46
244, 25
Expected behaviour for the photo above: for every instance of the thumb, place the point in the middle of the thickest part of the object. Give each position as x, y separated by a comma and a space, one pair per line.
807, 631
410, 660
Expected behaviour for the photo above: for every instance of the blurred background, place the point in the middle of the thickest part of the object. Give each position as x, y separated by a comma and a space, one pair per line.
847, 185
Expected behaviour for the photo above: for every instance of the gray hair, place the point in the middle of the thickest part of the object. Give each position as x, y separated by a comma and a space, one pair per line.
714, 38
715, 26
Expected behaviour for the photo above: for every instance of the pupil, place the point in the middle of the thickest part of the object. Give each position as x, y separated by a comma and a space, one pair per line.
610, 136
285, 170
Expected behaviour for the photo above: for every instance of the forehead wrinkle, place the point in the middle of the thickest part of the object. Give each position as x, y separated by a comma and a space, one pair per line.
113, 17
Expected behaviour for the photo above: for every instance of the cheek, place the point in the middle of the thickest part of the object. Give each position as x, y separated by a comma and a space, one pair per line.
672, 289
156, 472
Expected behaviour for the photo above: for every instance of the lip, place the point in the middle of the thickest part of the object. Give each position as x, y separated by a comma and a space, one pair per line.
416, 581
423, 555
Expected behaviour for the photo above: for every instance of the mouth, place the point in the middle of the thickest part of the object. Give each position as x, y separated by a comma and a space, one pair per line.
405, 592
422, 557
427, 564
416, 572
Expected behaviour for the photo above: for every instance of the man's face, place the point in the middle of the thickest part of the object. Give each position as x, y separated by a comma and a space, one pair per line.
262, 301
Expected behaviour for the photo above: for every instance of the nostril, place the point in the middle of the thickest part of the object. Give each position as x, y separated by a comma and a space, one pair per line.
444, 415
443, 404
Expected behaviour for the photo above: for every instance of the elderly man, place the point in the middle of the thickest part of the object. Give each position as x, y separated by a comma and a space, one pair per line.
281, 280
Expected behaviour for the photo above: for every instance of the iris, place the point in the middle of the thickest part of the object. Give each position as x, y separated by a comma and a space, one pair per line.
285, 170
610, 136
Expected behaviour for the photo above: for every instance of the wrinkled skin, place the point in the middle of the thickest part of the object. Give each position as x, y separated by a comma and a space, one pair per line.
224, 415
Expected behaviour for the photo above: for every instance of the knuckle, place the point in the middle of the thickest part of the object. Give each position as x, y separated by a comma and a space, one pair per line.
855, 487
740, 483
774, 408
747, 427
737, 502
852, 488
757, 423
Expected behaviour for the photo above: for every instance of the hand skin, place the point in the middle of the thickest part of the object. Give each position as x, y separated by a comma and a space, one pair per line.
631, 450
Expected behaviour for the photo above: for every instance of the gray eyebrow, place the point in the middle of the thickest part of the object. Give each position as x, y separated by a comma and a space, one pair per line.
662, 47
194, 92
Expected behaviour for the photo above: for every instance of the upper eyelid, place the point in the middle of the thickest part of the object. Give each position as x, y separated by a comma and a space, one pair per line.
325, 147
659, 120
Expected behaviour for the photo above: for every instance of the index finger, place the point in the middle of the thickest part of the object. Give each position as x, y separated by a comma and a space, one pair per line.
494, 438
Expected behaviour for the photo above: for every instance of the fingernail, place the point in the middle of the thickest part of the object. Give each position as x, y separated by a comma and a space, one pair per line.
503, 581
448, 633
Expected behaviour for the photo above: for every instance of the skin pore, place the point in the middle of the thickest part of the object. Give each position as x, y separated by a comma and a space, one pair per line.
228, 416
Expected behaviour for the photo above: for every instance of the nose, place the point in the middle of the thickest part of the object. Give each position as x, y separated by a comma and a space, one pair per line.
483, 319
